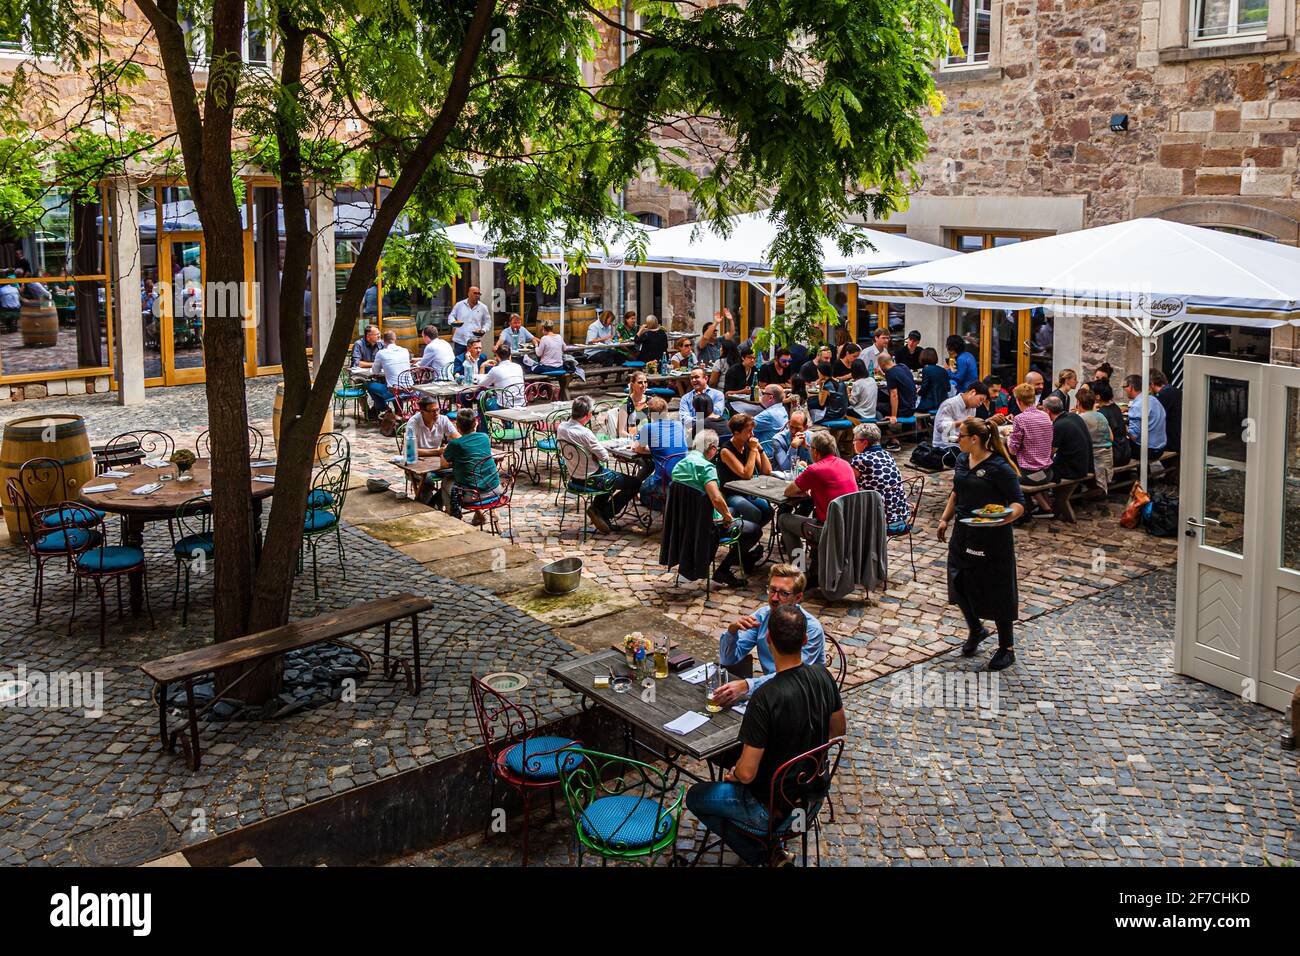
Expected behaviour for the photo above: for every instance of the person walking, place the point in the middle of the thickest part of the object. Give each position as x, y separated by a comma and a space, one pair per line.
982, 560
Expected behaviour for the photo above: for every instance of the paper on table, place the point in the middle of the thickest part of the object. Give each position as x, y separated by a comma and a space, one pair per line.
147, 489
695, 675
740, 708
207, 492
155, 463
94, 489
262, 463
114, 473
683, 725
265, 479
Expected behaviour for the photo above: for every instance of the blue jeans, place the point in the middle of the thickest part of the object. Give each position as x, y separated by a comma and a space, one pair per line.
458, 349
725, 808
543, 369
753, 510
380, 395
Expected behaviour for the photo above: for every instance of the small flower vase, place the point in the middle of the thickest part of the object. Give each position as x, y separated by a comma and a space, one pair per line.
631, 659
184, 466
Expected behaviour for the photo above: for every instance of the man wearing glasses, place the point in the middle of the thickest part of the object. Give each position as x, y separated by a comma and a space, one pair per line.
779, 372
785, 585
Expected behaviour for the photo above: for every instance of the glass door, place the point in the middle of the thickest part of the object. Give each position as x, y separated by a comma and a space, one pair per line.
182, 328
1279, 645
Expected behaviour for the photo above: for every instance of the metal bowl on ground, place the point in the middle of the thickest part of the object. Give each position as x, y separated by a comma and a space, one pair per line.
562, 576
377, 484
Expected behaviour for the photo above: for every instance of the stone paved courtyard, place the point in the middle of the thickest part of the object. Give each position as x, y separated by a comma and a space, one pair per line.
1098, 753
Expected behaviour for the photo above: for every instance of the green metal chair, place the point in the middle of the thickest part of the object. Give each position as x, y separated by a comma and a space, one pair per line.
544, 444
622, 809
328, 489
349, 391
501, 433
573, 459
194, 547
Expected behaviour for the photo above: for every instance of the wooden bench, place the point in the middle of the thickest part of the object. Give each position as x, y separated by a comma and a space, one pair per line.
1063, 503
254, 648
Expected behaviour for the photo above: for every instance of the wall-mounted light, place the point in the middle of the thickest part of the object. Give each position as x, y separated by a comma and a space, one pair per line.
1119, 123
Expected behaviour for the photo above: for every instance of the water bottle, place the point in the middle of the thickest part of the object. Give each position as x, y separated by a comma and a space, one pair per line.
411, 453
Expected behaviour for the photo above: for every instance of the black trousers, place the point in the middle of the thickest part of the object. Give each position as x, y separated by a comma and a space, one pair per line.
1006, 628
624, 489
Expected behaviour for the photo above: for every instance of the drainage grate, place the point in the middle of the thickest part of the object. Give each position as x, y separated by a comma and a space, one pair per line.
128, 842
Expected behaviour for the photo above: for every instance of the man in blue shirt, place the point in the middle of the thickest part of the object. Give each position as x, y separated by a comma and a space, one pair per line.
699, 386
1156, 437
366, 348
791, 444
965, 368
785, 585
772, 418
664, 440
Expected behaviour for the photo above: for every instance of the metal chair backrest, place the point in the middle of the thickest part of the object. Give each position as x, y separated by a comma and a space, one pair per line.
193, 517
802, 781
42, 482
575, 461
422, 375
502, 722
332, 447
539, 392
914, 489
836, 662
598, 775
256, 442
333, 480
147, 442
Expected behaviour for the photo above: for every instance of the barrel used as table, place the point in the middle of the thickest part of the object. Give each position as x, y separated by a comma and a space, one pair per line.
39, 323
326, 426
576, 320
60, 437
408, 336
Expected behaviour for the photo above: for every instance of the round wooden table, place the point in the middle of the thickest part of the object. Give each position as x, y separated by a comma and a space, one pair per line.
161, 505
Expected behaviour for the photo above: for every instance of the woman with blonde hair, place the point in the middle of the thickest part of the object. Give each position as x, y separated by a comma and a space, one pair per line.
982, 558
1066, 382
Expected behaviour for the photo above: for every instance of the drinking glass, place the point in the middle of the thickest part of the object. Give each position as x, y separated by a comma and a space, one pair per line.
712, 684
661, 656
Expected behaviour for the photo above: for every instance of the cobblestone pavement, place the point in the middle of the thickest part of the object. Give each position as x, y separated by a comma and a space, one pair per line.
63, 773
1097, 753
910, 622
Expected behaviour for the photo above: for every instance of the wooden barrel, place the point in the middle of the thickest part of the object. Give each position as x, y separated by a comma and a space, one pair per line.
576, 320
39, 323
61, 437
408, 336
326, 426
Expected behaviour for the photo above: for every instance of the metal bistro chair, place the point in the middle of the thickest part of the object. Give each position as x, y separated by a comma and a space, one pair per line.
539, 392
256, 442
349, 391
130, 448
331, 481
194, 548
46, 541
518, 755
483, 469
42, 481
622, 808
544, 445
406, 398
101, 563
913, 489
574, 459
501, 433
800, 787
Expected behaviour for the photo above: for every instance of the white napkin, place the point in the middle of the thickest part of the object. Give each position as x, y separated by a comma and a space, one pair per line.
156, 463
695, 675
740, 708
94, 489
147, 489
683, 725
398, 460
265, 479
207, 492
114, 473
262, 463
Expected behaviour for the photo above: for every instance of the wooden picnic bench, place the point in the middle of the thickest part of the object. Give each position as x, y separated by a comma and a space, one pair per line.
1064, 489
187, 666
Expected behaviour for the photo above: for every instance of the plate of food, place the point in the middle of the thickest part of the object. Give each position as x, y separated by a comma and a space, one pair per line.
988, 521
991, 511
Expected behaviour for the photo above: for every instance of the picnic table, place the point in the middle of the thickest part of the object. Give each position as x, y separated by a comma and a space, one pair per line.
161, 505
672, 698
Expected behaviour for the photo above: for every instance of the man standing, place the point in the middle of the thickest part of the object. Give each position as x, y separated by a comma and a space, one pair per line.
773, 418
1156, 435
588, 470
953, 411
390, 363
437, 354
1171, 400
827, 478
475, 321
796, 711
785, 587
909, 356
366, 348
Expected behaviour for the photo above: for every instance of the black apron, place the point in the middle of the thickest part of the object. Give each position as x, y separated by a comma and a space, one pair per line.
982, 561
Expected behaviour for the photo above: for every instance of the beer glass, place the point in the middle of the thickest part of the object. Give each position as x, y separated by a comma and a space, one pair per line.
712, 684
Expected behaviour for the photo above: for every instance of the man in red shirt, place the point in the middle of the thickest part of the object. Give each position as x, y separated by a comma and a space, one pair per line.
827, 478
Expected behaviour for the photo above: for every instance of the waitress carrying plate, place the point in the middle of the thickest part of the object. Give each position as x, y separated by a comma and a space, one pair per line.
982, 519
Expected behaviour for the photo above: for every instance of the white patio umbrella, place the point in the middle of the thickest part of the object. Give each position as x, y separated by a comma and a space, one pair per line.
1148, 275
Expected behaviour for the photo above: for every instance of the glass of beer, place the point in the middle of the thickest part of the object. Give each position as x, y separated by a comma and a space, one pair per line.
661, 656
712, 684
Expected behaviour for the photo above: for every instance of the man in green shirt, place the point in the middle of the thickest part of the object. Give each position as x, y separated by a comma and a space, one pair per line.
473, 471
697, 471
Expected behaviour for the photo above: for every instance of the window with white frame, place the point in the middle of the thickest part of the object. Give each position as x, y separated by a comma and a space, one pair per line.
1228, 19
973, 20
256, 45
16, 40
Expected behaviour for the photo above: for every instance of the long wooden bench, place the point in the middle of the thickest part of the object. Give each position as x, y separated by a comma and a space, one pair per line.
188, 666
1064, 490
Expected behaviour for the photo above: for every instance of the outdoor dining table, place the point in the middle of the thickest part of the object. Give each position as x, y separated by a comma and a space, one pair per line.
529, 414
138, 510
645, 714
771, 488
433, 465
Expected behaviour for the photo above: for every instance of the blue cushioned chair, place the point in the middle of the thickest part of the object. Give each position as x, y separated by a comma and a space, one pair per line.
192, 545
101, 563
330, 488
622, 809
517, 754
78, 516
574, 459
45, 540
350, 390
664, 393
836, 423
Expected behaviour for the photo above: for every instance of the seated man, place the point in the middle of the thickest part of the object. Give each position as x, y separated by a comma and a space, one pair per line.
469, 362
386, 372
696, 470
587, 469
437, 354
365, 348
996, 406
902, 392
515, 335
432, 432
808, 370
687, 411
773, 418
1071, 441
827, 478
664, 440
507, 377
1031, 441
953, 411
796, 711
791, 444
741, 382
474, 477
877, 471
1156, 436
781, 371
785, 586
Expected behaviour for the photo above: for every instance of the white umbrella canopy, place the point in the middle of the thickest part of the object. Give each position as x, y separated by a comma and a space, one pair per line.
1148, 275
471, 240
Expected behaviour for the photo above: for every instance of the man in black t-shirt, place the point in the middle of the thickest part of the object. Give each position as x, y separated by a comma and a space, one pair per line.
1071, 441
796, 711
1171, 400
808, 370
909, 356
779, 372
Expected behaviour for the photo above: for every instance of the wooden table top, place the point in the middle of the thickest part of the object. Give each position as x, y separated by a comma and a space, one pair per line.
530, 413
673, 697
166, 499
433, 464
768, 487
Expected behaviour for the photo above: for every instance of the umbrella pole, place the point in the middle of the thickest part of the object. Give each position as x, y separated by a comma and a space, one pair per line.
1148, 348
564, 281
